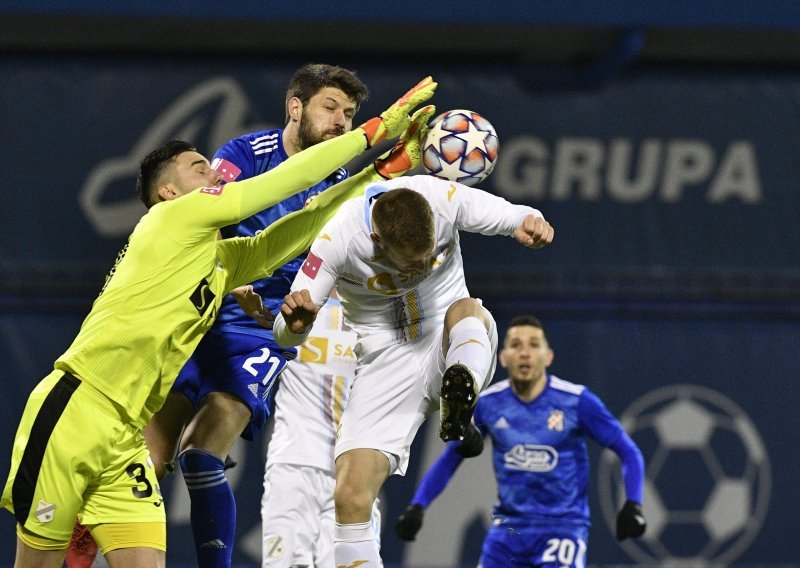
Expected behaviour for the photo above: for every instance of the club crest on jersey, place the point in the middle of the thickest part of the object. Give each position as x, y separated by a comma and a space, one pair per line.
45, 511
312, 265
274, 547
213, 190
556, 421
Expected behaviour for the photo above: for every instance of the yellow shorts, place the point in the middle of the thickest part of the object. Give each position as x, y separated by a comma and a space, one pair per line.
75, 457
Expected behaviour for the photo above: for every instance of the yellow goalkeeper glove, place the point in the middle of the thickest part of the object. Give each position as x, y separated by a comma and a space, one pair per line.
407, 153
395, 119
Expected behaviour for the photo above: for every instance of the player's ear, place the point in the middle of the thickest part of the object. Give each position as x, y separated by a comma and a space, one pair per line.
375, 238
294, 108
502, 359
167, 192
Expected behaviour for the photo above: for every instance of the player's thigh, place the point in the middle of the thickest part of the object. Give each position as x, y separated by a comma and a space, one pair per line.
387, 402
291, 513
503, 548
37, 552
123, 505
563, 547
64, 442
139, 557
245, 366
532, 545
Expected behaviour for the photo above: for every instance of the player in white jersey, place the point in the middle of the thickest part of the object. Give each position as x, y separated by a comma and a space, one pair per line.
395, 258
297, 506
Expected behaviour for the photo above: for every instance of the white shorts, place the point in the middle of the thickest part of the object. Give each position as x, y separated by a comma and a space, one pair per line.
395, 389
297, 514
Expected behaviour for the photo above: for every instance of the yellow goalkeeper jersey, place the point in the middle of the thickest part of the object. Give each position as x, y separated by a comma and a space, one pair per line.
164, 291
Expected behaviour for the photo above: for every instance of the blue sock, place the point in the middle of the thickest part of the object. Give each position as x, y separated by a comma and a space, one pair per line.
213, 507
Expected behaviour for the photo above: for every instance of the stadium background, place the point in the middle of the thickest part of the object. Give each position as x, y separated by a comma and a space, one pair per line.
660, 139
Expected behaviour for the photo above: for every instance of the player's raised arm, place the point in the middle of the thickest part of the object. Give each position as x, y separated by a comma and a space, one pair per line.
250, 259
534, 232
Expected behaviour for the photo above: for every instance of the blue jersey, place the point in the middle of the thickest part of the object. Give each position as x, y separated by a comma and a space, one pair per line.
539, 452
254, 154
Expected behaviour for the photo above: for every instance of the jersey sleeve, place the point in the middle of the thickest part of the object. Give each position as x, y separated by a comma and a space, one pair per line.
299, 172
215, 207
251, 258
437, 477
471, 209
599, 423
239, 153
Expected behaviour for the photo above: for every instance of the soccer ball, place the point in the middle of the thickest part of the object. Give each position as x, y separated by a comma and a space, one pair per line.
460, 146
708, 479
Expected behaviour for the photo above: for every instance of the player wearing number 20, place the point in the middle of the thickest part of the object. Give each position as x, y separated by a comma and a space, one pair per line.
538, 424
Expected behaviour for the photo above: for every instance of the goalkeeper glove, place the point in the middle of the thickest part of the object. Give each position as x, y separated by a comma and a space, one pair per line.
409, 522
394, 120
407, 153
630, 521
472, 444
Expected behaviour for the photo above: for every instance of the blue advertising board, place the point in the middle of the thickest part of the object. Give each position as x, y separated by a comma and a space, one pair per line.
686, 171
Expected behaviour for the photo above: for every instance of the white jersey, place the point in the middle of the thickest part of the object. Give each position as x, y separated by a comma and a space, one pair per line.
313, 392
383, 304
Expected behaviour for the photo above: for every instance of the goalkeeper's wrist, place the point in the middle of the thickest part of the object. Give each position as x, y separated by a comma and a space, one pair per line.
373, 130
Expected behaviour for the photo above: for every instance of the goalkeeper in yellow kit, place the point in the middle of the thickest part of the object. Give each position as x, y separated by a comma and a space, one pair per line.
79, 451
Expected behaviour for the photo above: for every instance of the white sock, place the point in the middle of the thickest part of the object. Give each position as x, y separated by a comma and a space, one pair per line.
355, 545
470, 346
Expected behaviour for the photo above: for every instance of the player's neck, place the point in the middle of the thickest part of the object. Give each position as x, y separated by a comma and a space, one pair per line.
290, 140
529, 390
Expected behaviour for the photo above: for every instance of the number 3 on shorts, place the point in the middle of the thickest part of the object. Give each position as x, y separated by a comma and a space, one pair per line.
136, 472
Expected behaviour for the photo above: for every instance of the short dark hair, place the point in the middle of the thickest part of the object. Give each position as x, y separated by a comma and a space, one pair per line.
153, 165
313, 77
526, 319
404, 218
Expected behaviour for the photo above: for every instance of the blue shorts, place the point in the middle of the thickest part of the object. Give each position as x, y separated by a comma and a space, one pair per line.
238, 363
516, 545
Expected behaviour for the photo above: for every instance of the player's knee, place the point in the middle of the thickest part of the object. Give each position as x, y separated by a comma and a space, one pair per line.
352, 501
464, 308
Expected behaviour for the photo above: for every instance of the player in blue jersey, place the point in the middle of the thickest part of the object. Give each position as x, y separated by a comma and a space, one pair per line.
538, 424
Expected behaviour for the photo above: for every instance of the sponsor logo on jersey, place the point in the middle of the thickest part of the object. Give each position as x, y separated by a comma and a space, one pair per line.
202, 297
213, 190
382, 284
45, 511
312, 265
451, 192
556, 421
229, 170
531, 457
314, 350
